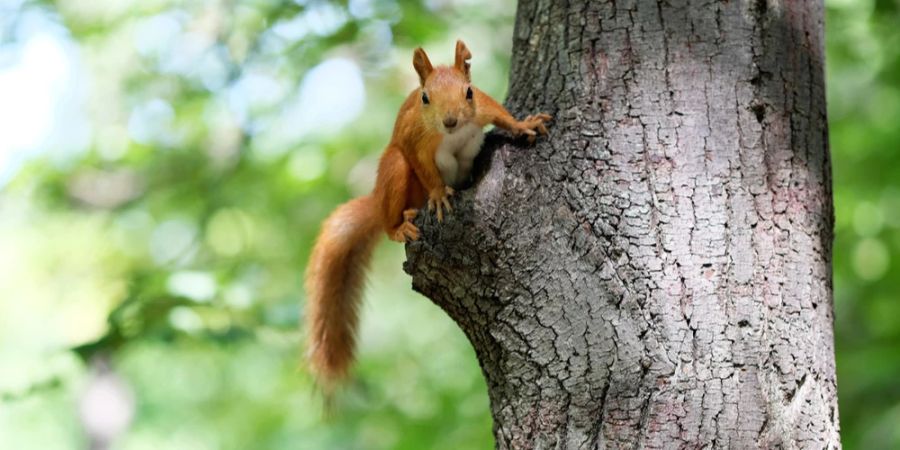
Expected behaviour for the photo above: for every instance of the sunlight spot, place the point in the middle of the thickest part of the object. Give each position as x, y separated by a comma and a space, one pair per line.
319, 18
361, 9
197, 286
239, 296
890, 206
173, 240
867, 219
229, 232
157, 35
870, 259
307, 164
151, 121
252, 93
40, 104
331, 95
185, 319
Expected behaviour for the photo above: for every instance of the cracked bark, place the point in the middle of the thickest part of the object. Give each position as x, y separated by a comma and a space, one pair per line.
657, 273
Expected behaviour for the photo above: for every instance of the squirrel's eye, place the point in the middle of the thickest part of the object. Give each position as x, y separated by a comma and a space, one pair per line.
469, 94
424, 98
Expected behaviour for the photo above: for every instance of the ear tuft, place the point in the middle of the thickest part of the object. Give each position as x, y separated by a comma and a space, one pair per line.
422, 65
463, 55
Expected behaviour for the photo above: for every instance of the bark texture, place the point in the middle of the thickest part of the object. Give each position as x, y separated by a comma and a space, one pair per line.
657, 273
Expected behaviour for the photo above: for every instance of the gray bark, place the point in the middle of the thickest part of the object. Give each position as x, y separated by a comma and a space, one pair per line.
657, 273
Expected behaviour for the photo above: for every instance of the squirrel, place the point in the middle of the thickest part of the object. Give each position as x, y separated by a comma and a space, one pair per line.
437, 134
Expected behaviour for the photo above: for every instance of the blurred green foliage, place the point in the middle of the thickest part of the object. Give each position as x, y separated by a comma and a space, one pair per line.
167, 227
172, 242
863, 85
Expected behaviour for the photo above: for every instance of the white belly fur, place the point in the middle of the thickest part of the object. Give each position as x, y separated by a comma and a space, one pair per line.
456, 152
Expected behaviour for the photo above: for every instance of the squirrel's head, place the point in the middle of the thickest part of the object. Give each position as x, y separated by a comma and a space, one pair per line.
446, 94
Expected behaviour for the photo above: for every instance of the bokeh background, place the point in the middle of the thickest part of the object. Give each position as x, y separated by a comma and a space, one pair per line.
164, 166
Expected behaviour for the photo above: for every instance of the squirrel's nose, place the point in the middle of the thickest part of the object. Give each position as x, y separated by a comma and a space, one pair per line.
450, 122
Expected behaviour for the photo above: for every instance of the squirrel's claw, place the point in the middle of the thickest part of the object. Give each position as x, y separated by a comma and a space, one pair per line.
410, 231
439, 200
533, 125
405, 232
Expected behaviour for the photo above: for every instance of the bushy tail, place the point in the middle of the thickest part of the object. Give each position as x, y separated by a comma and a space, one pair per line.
334, 283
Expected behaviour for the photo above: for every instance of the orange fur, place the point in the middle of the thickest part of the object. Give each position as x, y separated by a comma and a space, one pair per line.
408, 179
334, 283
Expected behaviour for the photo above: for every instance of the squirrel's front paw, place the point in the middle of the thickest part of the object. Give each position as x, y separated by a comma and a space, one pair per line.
532, 126
438, 200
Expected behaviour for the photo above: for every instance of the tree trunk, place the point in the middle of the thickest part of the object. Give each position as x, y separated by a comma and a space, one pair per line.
657, 273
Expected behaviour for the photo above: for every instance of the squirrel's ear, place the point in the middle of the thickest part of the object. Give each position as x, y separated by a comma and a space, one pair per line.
422, 65
463, 55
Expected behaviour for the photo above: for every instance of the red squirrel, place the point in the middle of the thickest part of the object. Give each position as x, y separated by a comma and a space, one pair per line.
437, 134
